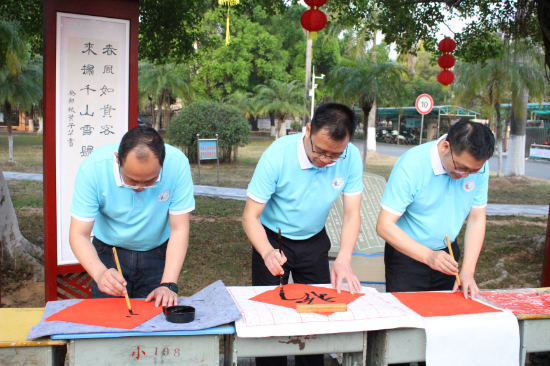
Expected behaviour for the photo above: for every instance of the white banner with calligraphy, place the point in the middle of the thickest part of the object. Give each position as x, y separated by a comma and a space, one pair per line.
92, 102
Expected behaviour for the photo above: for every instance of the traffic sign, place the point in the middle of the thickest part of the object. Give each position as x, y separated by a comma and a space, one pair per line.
424, 104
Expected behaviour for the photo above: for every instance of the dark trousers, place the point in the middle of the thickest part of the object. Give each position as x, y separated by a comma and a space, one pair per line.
307, 260
404, 274
142, 270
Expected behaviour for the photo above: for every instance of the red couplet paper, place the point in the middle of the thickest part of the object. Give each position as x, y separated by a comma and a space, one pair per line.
428, 304
305, 294
112, 313
520, 302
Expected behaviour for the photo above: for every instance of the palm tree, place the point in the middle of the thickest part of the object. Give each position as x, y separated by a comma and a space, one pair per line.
247, 104
363, 81
20, 90
492, 80
515, 75
283, 100
160, 83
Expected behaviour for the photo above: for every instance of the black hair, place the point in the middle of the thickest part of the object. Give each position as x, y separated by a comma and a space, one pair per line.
145, 139
473, 137
338, 119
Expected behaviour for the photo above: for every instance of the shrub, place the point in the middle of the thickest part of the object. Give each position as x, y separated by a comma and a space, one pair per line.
209, 119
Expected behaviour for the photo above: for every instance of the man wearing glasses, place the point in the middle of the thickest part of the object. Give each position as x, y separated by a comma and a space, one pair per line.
432, 189
136, 197
296, 181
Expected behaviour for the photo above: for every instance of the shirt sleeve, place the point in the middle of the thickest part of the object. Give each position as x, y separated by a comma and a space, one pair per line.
264, 181
182, 199
400, 190
354, 185
85, 203
481, 197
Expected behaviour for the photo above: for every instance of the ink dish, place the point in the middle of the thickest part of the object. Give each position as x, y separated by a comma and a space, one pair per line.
179, 314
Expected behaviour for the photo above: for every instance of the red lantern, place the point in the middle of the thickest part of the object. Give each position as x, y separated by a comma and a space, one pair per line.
446, 77
447, 45
446, 61
316, 3
313, 20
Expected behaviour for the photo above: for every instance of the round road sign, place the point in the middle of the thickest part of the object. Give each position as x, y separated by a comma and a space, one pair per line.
424, 104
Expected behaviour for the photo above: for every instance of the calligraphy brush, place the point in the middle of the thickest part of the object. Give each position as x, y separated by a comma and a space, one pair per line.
282, 292
120, 271
451, 253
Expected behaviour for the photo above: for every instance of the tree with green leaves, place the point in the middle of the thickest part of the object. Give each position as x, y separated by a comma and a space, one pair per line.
248, 105
160, 84
283, 100
362, 81
491, 80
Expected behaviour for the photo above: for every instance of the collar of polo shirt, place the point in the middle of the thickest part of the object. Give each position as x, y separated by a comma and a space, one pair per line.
302, 155
116, 173
437, 166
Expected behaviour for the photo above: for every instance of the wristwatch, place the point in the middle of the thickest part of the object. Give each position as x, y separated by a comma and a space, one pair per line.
171, 285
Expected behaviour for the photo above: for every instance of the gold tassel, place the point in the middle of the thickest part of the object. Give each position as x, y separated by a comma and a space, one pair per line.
228, 2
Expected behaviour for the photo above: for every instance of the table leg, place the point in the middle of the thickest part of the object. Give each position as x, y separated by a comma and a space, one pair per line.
377, 348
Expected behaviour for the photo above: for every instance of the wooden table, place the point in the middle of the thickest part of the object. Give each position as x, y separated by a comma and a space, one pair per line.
15, 350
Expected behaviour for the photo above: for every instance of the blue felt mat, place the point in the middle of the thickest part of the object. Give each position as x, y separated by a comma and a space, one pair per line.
213, 307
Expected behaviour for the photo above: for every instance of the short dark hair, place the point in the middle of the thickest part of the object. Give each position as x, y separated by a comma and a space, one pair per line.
473, 137
142, 137
338, 119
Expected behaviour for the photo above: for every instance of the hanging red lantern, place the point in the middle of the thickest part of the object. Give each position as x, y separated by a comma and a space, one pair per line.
316, 3
446, 77
446, 61
447, 45
313, 20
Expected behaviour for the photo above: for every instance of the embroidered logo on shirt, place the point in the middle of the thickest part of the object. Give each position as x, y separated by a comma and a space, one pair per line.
469, 185
164, 196
337, 182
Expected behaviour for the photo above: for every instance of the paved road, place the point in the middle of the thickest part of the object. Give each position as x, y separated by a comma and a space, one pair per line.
536, 169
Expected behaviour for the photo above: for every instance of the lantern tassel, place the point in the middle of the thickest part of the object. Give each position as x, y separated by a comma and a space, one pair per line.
227, 27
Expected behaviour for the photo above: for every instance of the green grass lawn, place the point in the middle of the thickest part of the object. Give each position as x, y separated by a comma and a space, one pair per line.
27, 152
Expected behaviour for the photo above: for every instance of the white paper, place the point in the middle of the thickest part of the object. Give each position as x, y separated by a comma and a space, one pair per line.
478, 339
372, 311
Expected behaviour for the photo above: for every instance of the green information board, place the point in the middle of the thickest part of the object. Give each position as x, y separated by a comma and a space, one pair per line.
368, 242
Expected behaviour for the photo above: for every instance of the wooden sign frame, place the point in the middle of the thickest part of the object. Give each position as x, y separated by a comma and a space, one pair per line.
71, 281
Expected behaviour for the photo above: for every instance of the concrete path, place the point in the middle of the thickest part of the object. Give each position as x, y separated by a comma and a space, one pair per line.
240, 194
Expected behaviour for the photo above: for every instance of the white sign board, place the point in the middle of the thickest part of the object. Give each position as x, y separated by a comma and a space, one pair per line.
424, 104
92, 64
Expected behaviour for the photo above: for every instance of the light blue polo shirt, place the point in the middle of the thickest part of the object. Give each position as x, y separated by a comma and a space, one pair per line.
297, 194
430, 202
128, 219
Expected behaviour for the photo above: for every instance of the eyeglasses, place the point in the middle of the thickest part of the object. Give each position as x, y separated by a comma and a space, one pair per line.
154, 185
469, 172
321, 155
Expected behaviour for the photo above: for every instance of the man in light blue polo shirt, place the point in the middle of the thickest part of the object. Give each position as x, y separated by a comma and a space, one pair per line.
432, 189
136, 197
296, 181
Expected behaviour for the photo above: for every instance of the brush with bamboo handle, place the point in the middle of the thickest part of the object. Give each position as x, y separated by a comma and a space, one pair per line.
451, 253
120, 271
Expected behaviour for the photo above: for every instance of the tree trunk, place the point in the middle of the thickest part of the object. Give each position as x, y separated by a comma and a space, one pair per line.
499, 138
515, 163
371, 141
273, 128
17, 252
366, 112
253, 121
7, 117
281, 130
40, 125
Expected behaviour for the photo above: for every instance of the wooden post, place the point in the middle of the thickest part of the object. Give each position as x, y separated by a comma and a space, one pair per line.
545, 280
218, 157
199, 156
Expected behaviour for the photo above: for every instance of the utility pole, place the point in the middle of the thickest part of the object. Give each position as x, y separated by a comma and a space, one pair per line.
312, 90
309, 51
